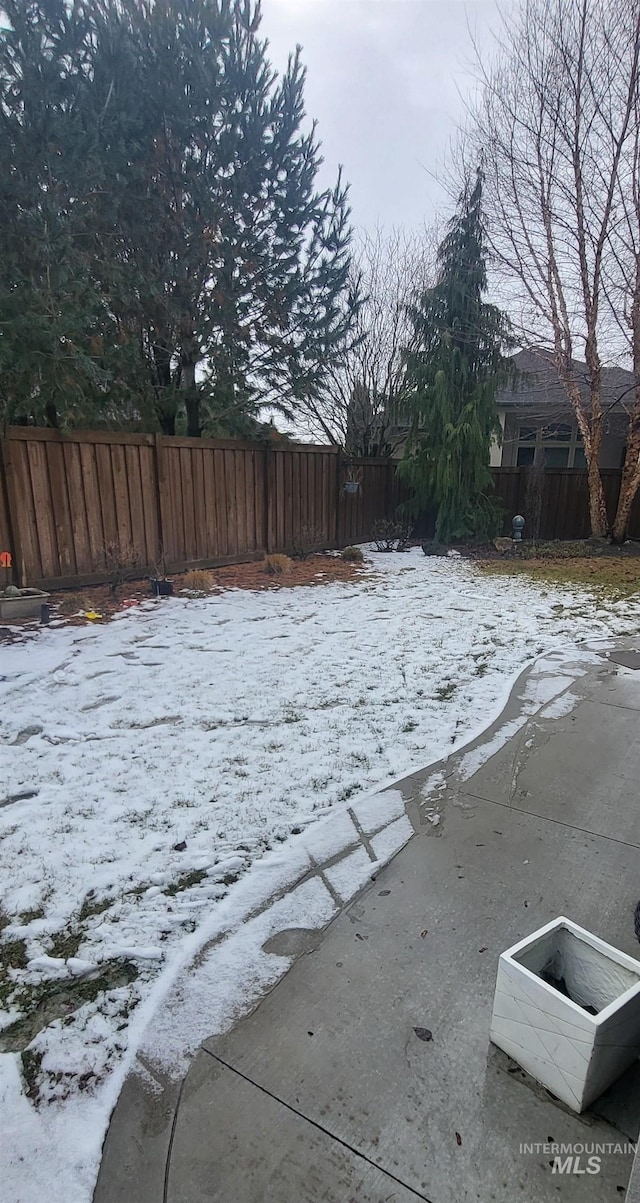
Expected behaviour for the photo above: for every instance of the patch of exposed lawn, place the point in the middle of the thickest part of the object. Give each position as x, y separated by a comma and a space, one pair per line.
93, 906
31, 1066
616, 577
185, 881
44, 1002
28, 916
13, 954
66, 943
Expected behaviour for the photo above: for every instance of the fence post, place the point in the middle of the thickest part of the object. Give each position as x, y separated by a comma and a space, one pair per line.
10, 498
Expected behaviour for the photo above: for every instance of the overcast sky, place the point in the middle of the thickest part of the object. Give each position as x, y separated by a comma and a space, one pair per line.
384, 82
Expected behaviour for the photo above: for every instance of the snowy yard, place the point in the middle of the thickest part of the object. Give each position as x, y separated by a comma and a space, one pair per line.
161, 756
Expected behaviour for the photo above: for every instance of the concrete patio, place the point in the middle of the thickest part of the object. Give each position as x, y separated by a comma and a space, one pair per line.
326, 1092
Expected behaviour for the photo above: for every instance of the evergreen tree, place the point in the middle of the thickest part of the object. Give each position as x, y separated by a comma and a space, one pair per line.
51, 315
198, 275
453, 375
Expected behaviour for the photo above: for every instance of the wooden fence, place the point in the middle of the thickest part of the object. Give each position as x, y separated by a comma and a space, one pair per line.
565, 501
66, 501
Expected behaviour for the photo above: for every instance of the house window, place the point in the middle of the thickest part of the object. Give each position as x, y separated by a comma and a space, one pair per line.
556, 457
557, 444
556, 432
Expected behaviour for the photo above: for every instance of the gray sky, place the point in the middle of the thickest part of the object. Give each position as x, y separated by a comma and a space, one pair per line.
384, 79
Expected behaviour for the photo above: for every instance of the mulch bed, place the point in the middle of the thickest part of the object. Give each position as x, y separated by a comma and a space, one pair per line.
319, 569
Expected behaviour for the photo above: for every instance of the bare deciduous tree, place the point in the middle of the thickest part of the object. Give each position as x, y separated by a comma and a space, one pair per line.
556, 124
623, 286
359, 403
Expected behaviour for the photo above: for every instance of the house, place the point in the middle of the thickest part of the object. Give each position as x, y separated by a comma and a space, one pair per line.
536, 415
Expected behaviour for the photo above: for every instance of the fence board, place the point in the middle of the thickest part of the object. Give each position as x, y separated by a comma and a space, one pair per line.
79, 526
271, 526
90, 497
106, 501
221, 503
7, 540
22, 516
45, 525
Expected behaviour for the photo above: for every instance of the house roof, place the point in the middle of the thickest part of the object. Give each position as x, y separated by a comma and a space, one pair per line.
539, 387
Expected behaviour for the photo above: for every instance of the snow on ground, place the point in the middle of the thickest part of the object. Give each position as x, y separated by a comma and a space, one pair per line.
168, 752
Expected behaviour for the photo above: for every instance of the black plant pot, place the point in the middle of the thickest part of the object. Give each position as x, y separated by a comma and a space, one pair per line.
161, 588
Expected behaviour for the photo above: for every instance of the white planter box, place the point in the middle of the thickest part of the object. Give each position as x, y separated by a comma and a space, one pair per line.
574, 1053
25, 605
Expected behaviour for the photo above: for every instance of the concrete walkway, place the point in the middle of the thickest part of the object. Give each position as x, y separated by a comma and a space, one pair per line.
326, 1092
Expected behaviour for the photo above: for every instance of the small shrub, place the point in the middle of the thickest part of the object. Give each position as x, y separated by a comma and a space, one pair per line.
276, 565
307, 540
70, 606
390, 535
353, 555
123, 562
197, 581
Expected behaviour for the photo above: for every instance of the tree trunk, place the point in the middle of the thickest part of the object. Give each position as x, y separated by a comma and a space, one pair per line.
51, 415
192, 406
167, 422
630, 475
597, 503
590, 427
631, 471
188, 360
165, 405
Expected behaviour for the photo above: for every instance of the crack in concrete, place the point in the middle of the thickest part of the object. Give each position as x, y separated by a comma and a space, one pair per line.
533, 814
319, 1127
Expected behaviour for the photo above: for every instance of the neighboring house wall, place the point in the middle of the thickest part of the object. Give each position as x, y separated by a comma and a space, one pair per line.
558, 442
539, 421
536, 417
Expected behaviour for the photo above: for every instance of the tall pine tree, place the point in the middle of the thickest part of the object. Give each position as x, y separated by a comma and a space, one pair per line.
453, 373
52, 317
166, 250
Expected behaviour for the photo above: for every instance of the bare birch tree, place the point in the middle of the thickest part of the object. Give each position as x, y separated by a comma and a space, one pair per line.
359, 404
557, 125
623, 284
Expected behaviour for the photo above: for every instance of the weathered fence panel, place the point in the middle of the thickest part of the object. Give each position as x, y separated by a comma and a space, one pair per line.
75, 498
302, 492
357, 512
211, 497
